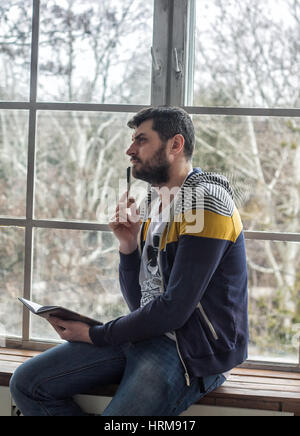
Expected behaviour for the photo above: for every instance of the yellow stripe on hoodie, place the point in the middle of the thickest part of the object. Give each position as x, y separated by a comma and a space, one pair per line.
204, 224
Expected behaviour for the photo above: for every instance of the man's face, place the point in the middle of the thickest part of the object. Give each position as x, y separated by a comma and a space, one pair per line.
149, 156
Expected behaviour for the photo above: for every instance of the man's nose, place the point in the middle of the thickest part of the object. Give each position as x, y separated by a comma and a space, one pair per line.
131, 150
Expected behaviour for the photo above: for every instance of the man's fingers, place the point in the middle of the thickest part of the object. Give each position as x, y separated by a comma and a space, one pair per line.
121, 218
124, 202
124, 197
57, 323
56, 320
126, 213
134, 213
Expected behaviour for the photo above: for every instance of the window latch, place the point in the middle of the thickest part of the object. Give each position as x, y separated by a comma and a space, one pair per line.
156, 65
178, 66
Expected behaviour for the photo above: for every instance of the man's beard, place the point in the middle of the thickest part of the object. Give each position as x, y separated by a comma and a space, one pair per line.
156, 170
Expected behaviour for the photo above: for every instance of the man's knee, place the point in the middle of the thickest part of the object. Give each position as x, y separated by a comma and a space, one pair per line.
23, 379
18, 383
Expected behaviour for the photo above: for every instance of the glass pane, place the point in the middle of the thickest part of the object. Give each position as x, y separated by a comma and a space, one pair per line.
247, 53
78, 270
12, 241
15, 40
13, 162
274, 290
81, 165
96, 51
261, 158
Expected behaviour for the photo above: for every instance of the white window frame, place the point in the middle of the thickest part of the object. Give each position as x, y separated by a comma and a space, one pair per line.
172, 85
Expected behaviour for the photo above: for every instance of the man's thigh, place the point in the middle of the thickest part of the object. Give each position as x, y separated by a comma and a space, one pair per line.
72, 368
153, 383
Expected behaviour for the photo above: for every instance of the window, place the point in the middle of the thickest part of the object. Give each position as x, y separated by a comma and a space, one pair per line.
13, 163
245, 100
12, 243
75, 165
87, 262
73, 72
247, 53
273, 300
93, 51
15, 38
263, 177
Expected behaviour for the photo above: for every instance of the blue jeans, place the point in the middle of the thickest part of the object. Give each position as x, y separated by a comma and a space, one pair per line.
150, 375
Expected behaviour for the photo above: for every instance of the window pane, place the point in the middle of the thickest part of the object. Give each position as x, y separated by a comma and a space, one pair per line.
247, 53
81, 165
274, 289
15, 40
13, 162
78, 270
12, 242
96, 51
261, 158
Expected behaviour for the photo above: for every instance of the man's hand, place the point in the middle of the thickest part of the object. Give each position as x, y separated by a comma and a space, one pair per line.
126, 224
71, 331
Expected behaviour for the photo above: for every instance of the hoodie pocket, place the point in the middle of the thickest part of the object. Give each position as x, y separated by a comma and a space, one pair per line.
207, 321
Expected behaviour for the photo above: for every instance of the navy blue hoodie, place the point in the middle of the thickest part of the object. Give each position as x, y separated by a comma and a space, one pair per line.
204, 270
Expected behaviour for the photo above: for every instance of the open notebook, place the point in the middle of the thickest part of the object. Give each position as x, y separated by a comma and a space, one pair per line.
58, 312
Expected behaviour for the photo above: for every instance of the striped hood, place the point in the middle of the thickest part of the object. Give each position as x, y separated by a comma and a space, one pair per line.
204, 190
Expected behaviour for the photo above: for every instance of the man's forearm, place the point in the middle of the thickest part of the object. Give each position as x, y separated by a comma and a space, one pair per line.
129, 271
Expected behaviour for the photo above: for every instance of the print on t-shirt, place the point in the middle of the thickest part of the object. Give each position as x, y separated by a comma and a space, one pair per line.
151, 286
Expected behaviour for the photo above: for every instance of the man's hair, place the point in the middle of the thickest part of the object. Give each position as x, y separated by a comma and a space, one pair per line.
168, 122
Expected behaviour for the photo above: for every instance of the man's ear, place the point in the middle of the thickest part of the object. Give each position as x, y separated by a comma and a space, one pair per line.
177, 145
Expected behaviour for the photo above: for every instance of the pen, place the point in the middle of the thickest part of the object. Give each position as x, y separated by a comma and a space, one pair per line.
128, 182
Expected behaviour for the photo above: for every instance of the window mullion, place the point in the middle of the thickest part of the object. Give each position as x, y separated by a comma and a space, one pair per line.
31, 167
162, 28
179, 49
171, 51
190, 52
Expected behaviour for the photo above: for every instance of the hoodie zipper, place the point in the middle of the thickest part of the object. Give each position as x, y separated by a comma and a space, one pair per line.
186, 374
209, 324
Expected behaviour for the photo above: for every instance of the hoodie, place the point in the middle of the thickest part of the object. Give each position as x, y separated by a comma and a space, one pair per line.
202, 260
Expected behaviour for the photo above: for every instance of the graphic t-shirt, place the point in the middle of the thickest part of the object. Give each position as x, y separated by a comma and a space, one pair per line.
150, 277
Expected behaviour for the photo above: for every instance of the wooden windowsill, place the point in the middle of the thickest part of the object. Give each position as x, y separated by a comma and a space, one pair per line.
246, 388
